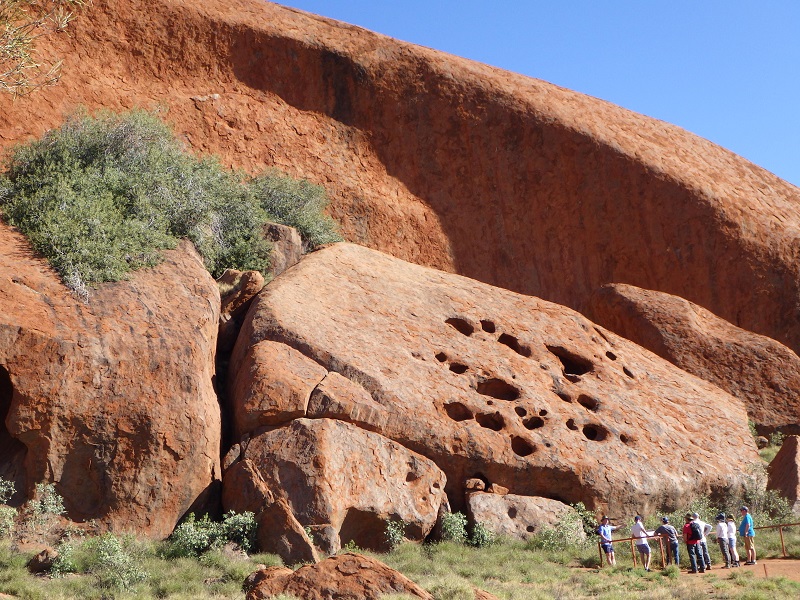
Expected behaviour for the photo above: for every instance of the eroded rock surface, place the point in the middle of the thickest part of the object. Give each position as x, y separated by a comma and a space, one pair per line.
343, 482
112, 400
487, 383
443, 161
516, 516
784, 472
762, 372
347, 576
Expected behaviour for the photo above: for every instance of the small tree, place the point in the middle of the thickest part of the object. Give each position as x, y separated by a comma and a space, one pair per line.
22, 22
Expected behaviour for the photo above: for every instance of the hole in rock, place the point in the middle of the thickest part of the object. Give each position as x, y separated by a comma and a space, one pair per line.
497, 388
542, 413
627, 372
411, 476
522, 447
530, 528
491, 421
571, 425
512, 512
458, 368
457, 411
572, 363
533, 423
548, 445
596, 433
461, 326
436, 485
611, 355
441, 357
513, 343
624, 439
487, 326
588, 402
520, 411
564, 396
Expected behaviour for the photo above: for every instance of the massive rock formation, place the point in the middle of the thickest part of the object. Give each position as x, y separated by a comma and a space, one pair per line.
113, 399
784, 472
762, 372
488, 383
442, 161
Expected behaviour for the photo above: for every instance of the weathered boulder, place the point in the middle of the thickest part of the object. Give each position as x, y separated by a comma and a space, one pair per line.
443, 161
784, 472
43, 561
240, 287
287, 247
346, 576
519, 516
113, 399
344, 482
487, 383
762, 372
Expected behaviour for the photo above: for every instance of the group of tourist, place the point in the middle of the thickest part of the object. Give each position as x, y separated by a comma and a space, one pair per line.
695, 533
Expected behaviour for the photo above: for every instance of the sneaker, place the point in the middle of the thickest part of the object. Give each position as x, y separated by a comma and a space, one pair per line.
692, 571
749, 562
702, 571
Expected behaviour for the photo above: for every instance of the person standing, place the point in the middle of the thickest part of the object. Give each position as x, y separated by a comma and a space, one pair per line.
747, 531
604, 531
732, 541
692, 535
670, 534
642, 545
705, 528
722, 540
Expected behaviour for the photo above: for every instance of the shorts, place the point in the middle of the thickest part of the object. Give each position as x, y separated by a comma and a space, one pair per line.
607, 548
731, 542
748, 543
643, 548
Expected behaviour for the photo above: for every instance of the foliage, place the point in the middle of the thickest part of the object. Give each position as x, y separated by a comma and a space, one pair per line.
394, 535
481, 536
587, 517
21, 23
7, 489
46, 504
454, 527
8, 516
297, 203
194, 537
776, 439
566, 534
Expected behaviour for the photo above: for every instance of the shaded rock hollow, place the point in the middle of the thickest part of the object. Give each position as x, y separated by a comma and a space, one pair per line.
442, 161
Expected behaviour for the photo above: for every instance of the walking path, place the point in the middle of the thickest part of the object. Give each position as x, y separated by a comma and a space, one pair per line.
772, 567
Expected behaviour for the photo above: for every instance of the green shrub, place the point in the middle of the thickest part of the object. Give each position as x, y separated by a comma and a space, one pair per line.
481, 536
454, 528
395, 532
46, 505
240, 528
8, 516
297, 203
7, 489
194, 537
105, 195
113, 565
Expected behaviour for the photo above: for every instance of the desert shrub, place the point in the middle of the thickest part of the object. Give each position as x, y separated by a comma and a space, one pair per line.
46, 505
7, 489
111, 560
104, 195
297, 203
566, 534
194, 537
395, 532
481, 536
8, 516
454, 528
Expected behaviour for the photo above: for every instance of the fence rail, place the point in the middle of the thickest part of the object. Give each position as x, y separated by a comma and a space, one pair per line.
661, 539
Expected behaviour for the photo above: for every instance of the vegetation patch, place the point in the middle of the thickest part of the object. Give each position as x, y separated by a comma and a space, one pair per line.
106, 194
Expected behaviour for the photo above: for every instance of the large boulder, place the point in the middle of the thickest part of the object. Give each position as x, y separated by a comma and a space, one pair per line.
783, 473
487, 383
347, 576
111, 399
443, 161
521, 517
343, 482
762, 372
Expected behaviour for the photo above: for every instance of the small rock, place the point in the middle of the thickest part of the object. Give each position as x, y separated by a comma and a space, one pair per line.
42, 562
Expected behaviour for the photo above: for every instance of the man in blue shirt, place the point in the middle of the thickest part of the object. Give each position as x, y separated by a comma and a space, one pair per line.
747, 531
604, 531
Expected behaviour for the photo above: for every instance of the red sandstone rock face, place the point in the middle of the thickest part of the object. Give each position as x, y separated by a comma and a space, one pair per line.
343, 482
784, 472
487, 383
762, 372
346, 576
111, 400
443, 161
518, 517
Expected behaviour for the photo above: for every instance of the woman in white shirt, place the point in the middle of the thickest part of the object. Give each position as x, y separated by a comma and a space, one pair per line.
638, 531
731, 524
722, 540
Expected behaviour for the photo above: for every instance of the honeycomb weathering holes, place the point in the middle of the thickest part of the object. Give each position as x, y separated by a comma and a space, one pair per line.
588, 402
533, 423
460, 325
522, 447
441, 356
458, 368
571, 425
497, 388
457, 411
513, 343
487, 326
571, 362
520, 411
596, 433
611, 355
491, 421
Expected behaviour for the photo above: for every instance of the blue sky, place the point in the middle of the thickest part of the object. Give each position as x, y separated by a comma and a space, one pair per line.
726, 70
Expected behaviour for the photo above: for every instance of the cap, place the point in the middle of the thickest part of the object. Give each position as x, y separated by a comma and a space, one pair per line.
744, 508
665, 519
721, 517
637, 518
688, 515
695, 515
604, 518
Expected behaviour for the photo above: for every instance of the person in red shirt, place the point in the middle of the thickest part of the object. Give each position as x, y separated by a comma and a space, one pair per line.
692, 539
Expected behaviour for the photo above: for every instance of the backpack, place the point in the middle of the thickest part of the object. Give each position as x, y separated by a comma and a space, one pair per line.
695, 533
